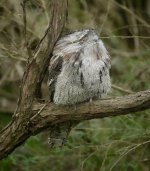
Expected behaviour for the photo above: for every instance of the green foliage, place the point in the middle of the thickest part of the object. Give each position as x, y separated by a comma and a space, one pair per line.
109, 144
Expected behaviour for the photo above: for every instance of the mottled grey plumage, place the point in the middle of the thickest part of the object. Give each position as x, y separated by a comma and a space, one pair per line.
78, 72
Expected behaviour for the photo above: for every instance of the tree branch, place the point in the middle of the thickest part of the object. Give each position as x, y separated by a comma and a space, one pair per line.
52, 114
45, 115
32, 117
17, 131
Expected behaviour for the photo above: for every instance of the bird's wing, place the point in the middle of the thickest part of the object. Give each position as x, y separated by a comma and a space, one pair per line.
54, 70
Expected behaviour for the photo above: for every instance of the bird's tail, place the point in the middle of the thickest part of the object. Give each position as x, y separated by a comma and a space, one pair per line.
58, 134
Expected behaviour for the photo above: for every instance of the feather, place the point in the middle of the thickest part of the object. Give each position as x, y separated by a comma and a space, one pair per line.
84, 72
78, 72
54, 70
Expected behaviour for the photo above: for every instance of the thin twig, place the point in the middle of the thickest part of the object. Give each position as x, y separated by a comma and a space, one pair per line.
23, 4
106, 16
121, 89
45, 10
132, 13
40, 42
127, 152
41, 109
124, 37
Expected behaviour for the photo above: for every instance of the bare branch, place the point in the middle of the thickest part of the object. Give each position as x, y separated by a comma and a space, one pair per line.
132, 13
23, 4
17, 131
53, 114
32, 117
121, 89
48, 114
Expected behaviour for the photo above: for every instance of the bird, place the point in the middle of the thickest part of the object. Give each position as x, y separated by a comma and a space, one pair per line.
79, 71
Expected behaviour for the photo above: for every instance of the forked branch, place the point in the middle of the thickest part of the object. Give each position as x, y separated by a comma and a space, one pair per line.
45, 115
17, 131
32, 117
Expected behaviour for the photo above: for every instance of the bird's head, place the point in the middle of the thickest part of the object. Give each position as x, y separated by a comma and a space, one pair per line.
76, 40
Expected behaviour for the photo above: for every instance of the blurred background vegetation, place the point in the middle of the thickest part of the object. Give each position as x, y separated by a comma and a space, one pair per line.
111, 144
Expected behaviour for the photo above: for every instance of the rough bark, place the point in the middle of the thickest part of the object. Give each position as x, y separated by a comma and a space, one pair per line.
51, 114
32, 117
18, 129
45, 115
